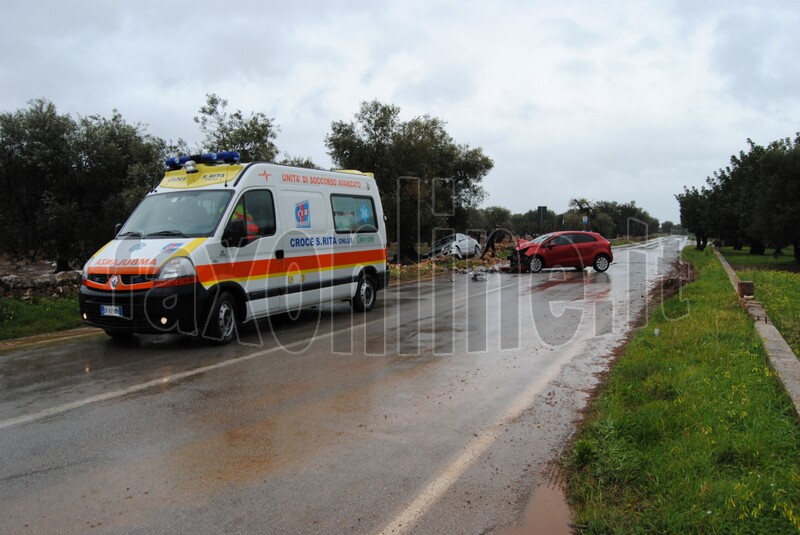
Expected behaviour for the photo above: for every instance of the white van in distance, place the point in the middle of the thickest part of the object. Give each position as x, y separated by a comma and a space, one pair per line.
218, 243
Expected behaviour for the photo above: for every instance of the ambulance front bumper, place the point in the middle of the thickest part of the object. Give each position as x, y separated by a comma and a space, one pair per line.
153, 311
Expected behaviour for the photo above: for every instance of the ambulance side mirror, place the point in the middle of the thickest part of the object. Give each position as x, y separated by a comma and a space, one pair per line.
235, 234
117, 228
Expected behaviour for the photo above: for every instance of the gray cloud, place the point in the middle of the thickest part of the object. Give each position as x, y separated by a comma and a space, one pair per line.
610, 102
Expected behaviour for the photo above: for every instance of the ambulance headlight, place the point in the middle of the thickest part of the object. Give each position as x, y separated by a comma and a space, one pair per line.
176, 268
85, 273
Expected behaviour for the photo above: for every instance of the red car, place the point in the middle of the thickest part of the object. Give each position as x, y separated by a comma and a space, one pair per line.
569, 248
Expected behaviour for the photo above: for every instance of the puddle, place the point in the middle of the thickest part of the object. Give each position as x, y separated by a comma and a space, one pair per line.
547, 514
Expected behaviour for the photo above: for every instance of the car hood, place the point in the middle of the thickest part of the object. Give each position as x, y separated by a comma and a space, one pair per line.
525, 244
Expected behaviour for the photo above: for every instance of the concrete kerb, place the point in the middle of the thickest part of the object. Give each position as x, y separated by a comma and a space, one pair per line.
782, 359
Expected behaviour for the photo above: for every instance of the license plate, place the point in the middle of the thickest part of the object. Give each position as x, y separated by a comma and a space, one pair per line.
115, 311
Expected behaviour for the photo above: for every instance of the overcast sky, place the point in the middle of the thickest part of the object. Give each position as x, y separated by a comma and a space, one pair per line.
611, 101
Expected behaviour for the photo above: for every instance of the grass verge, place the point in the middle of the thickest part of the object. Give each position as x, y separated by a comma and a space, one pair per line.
691, 432
777, 286
37, 316
778, 291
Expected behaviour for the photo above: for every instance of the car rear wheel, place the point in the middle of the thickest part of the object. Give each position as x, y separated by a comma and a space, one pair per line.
601, 263
536, 264
477, 251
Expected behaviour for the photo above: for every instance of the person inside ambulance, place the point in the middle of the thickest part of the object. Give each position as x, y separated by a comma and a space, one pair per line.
243, 220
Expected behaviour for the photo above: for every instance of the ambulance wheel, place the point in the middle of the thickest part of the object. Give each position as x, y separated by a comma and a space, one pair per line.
364, 299
221, 324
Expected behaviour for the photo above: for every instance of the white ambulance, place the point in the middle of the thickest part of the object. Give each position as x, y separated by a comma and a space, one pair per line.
218, 243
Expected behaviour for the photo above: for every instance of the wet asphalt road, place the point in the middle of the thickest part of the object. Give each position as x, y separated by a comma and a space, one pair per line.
437, 412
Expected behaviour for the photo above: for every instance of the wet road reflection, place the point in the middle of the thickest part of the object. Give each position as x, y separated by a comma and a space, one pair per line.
327, 422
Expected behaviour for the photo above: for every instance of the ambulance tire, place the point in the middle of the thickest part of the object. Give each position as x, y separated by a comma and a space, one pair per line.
364, 299
221, 322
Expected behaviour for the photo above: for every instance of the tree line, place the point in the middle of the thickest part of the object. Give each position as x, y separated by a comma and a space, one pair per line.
754, 201
67, 182
609, 218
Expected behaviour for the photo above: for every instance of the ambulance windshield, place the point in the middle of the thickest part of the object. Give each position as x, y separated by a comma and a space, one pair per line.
190, 214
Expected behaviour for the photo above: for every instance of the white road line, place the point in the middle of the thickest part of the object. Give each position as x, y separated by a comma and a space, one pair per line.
52, 411
435, 490
59, 409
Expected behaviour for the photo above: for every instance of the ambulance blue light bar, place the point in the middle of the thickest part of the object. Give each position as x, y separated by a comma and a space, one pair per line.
176, 162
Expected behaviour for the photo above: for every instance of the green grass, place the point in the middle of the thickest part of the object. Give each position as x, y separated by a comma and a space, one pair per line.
779, 291
777, 286
37, 316
691, 432
743, 259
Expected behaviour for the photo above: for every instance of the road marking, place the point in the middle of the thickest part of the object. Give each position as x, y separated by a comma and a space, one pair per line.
60, 409
435, 490
52, 411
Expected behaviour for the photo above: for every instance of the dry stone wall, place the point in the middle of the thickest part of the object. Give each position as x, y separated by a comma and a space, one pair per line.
25, 287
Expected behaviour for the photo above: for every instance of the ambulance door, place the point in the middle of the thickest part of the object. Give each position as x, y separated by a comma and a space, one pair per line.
358, 243
308, 242
256, 262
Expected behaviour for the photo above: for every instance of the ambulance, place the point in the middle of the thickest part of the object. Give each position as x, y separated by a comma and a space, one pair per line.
218, 243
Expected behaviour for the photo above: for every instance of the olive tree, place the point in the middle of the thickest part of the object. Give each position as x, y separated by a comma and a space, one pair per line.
426, 179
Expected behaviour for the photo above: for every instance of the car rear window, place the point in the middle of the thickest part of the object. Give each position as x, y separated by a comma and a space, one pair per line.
582, 238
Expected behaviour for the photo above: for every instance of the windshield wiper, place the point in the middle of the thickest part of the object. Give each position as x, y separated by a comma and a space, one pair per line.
133, 233
167, 233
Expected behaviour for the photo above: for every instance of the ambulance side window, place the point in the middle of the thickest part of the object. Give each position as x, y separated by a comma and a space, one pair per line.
258, 211
353, 214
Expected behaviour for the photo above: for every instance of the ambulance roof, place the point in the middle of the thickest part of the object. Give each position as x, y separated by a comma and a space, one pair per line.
213, 168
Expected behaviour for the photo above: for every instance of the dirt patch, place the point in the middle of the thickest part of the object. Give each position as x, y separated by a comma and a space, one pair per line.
681, 274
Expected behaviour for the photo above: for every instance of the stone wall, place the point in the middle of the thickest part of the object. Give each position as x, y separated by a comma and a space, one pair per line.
64, 284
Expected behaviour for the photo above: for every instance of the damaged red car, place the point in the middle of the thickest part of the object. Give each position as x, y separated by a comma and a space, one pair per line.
571, 248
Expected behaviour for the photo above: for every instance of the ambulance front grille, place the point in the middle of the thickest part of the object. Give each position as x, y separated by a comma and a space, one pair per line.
125, 279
